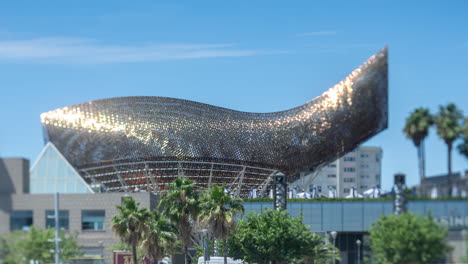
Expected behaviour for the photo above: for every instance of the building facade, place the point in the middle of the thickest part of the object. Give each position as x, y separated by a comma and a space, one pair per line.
358, 170
89, 214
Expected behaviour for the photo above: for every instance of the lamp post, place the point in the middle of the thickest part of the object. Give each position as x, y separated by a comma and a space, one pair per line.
333, 235
358, 243
206, 253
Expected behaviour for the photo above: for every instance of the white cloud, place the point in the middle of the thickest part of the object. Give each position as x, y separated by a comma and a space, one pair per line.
70, 50
316, 33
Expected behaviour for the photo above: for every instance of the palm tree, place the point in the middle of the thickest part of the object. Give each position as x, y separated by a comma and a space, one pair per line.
448, 129
129, 224
417, 128
159, 235
463, 146
180, 205
218, 211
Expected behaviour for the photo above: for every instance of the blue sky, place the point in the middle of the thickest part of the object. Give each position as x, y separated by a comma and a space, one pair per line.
255, 56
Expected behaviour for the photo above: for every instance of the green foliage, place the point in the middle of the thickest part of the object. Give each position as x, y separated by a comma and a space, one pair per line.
272, 236
463, 146
180, 204
159, 236
218, 212
417, 125
129, 224
408, 238
22, 246
448, 123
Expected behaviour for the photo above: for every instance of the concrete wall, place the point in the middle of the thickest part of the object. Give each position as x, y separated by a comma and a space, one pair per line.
14, 175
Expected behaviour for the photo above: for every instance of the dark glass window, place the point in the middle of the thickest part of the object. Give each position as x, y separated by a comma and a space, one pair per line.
349, 169
21, 220
331, 175
349, 159
348, 179
93, 219
63, 219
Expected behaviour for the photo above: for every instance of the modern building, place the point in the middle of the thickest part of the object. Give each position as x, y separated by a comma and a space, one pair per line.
89, 214
144, 143
438, 185
359, 170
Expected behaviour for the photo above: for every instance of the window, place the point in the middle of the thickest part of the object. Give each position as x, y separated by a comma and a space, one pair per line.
348, 179
332, 165
63, 219
364, 166
377, 176
346, 190
349, 159
364, 176
93, 219
331, 176
319, 188
349, 169
363, 186
364, 155
332, 187
377, 157
21, 220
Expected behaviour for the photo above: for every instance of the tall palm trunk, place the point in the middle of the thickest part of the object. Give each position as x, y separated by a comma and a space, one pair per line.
449, 162
134, 254
421, 161
225, 250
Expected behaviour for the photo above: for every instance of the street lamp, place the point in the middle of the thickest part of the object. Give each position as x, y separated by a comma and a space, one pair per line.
358, 243
333, 235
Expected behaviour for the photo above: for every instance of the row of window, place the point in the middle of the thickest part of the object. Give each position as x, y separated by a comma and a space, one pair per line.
91, 220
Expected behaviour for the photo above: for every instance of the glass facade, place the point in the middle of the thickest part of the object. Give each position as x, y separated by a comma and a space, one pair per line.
52, 173
358, 216
64, 219
93, 220
21, 220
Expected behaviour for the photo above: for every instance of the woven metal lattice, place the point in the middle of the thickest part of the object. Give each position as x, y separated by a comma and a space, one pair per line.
129, 130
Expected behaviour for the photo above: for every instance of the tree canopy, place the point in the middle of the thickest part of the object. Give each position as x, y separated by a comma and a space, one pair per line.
274, 236
408, 238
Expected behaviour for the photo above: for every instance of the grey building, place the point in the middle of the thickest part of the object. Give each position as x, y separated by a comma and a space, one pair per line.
89, 214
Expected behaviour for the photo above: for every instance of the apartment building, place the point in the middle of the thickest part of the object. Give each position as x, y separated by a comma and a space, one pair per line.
359, 169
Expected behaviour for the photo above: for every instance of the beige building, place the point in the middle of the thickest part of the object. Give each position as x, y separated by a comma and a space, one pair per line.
359, 169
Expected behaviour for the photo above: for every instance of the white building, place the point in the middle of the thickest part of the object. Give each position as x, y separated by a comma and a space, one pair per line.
359, 169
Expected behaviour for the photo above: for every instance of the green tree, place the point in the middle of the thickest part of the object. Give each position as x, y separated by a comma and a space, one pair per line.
448, 129
408, 239
218, 212
463, 146
417, 128
274, 236
129, 224
159, 236
22, 246
180, 205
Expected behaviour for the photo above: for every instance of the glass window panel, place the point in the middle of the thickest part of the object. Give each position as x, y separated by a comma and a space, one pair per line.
63, 219
21, 220
93, 219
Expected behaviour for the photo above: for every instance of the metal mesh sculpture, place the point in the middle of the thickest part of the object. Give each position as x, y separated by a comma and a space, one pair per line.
145, 142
